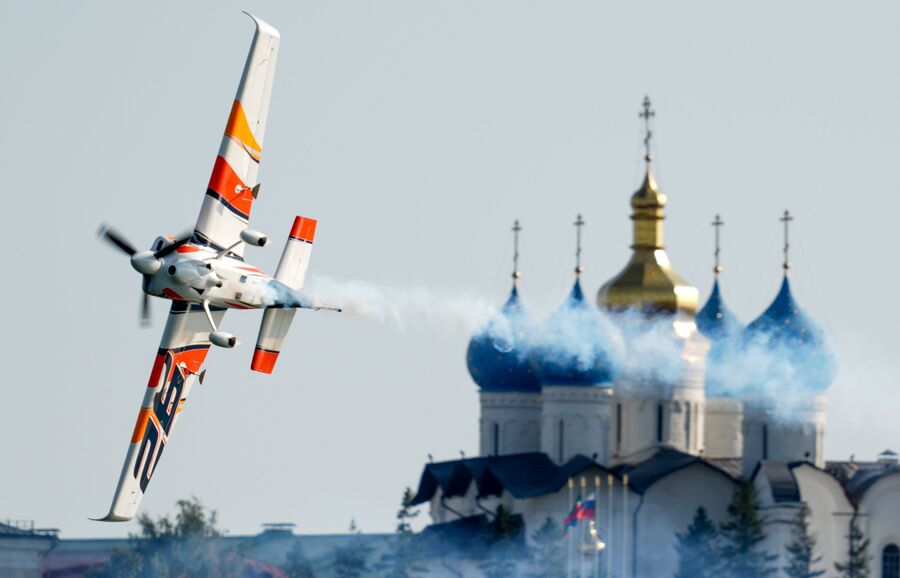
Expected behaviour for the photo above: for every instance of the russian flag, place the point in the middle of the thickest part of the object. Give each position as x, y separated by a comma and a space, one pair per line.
588, 508
573, 516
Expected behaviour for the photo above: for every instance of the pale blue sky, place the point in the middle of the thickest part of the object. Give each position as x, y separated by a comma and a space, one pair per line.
416, 132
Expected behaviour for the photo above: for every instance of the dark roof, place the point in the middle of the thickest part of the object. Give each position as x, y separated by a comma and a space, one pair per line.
522, 475
497, 358
535, 474
666, 461
857, 478
781, 480
467, 537
25, 530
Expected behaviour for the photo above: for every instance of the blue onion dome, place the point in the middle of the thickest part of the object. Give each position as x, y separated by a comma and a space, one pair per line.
576, 345
497, 355
716, 320
723, 328
798, 349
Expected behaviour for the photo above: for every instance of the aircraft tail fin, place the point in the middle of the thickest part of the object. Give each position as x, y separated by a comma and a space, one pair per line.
291, 273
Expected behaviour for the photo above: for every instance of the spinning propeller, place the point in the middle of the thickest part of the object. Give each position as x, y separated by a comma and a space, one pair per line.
144, 262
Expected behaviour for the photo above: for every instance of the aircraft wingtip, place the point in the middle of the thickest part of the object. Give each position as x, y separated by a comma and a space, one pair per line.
110, 518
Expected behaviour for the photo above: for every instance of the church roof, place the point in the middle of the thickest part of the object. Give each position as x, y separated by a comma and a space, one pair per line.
528, 475
523, 475
781, 479
666, 461
716, 320
576, 345
858, 478
796, 338
497, 358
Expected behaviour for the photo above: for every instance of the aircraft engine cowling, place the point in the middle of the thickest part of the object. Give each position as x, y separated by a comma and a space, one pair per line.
187, 272
223, 339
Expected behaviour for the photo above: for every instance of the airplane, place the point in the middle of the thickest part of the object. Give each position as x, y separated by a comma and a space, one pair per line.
204, 274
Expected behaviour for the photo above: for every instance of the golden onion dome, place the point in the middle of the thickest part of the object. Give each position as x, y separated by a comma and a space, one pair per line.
648, 281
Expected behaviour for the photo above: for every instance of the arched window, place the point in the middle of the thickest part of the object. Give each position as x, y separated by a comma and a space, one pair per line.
496, 439
890, 561
618, 427
687, 426
659, 423
562, 431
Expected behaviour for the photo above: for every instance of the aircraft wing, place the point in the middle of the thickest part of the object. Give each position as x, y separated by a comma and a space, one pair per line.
184, 345
230, 194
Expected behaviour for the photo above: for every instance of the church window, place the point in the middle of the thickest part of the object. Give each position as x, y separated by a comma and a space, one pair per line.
890, 561
765, 442
496, 439
687, 426
659, 423
562, 431
618, 427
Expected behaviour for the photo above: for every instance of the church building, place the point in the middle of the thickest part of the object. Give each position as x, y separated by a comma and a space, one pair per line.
567, 413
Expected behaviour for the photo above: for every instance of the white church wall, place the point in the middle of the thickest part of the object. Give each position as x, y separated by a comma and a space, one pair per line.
575, 420
880, 514
830, 511
776, 519
510, 423
798, 437
724, 436
668, 507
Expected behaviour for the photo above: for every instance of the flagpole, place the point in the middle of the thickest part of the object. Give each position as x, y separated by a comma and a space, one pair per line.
625, 526
569, 557
596, 557
581, 540
610, 481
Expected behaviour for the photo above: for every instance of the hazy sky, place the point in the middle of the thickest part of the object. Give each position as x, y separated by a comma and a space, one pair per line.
416, 132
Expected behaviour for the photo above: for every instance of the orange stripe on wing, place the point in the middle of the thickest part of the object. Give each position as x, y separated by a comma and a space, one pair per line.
239, 129
225, 182
304, 229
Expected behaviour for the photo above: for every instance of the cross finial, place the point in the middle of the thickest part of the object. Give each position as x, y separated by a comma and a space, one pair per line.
647, 114
786, 219
717, 223
579, 223
516, 273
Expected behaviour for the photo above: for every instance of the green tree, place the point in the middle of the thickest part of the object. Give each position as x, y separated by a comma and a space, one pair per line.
296, 564
406, 512
548, 551
500, 561
741, 537
801, 551
352, 559
184, 547
857, 564
696, 547
401, 560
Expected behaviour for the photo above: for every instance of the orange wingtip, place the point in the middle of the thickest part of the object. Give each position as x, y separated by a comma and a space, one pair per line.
304, 229
263, 360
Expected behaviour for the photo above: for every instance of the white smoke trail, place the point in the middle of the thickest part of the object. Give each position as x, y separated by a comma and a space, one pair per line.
782, 374
404, 308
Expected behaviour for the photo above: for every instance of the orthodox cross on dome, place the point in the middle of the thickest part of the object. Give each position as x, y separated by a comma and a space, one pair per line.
647, 114
786, 219
579, 223
516, 273
717, 223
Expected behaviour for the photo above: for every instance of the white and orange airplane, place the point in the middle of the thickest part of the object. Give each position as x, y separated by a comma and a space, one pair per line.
204, 274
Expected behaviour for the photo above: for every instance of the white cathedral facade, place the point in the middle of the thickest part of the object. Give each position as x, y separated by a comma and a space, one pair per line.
654, 446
